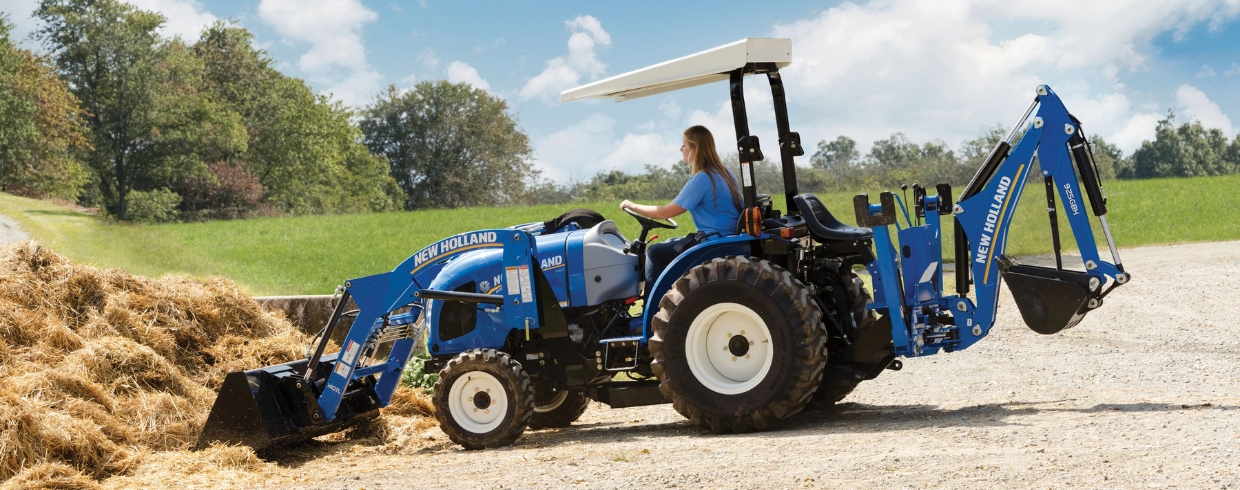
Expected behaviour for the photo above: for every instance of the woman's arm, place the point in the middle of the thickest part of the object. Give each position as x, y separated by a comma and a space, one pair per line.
669, 210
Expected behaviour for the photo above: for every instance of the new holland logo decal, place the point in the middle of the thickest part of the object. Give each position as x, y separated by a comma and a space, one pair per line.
454, 244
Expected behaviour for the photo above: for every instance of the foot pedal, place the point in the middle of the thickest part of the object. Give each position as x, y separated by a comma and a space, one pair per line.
620, 354
1050, 300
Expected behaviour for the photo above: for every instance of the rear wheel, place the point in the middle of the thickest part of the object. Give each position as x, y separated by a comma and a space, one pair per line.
560, 410
483, 399
738, 345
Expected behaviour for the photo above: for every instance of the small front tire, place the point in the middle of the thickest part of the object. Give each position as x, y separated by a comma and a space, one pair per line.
483, 399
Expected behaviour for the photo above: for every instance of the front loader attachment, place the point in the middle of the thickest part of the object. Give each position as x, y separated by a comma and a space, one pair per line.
1050, 300
324, 393
275, 406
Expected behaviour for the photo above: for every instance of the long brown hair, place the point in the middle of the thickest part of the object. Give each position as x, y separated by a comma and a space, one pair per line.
706, 159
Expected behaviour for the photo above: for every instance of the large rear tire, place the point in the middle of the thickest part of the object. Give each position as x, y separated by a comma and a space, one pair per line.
483, 399
738, 345
846, 301
560, 411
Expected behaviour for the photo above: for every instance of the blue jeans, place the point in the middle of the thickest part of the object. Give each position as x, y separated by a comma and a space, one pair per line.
660, 255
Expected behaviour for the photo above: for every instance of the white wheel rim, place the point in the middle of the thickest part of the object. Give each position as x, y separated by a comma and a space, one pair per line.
710, 349
553, 404
464, 410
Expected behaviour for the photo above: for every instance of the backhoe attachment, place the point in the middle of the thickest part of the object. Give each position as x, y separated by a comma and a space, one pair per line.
908, 273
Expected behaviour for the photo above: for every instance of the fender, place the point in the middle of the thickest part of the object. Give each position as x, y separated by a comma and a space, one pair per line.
702, 252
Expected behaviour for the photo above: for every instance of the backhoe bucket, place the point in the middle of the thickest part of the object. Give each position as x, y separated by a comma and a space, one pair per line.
1050, 300
274, 406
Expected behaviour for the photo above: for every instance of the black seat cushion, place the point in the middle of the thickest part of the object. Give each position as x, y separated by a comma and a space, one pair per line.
823, 225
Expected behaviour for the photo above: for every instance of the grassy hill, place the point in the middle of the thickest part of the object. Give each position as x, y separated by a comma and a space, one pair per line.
313, 254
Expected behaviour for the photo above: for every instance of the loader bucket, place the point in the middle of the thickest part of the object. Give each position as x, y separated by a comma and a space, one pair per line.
1050, 300
274, 406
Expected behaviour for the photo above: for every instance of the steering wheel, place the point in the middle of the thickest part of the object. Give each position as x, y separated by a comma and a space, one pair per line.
651, 223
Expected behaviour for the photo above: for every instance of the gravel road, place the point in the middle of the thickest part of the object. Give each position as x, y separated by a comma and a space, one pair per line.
10, 231
1142, 394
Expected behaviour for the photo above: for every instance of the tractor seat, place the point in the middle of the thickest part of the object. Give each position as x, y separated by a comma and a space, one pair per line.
823, 225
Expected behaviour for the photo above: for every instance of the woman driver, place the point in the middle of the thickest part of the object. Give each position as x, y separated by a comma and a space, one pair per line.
710, 196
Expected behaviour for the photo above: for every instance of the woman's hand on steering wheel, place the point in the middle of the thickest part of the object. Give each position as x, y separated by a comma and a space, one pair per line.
647, 223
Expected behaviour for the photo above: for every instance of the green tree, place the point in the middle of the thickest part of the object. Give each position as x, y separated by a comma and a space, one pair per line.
838, 154
449, 145
975, 151
40, 125
1108, 158
149, 124
302, 147
1189, 150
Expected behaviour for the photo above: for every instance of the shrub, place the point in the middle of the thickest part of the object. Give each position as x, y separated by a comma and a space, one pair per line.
157, 206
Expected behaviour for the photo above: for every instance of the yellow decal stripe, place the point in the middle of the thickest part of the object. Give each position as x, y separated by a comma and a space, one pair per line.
494, 289
435, 260
998, 227
553, 267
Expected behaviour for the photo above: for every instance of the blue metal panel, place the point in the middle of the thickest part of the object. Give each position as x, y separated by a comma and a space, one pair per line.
703, 252
574, 248
553, 259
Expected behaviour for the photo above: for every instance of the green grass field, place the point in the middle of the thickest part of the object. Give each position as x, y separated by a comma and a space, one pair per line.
313, 254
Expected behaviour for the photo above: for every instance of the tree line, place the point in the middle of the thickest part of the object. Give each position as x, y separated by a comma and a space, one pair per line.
148, 128
151, 128
1185, 150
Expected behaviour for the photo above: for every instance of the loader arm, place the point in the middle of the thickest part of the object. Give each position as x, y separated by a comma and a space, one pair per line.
907, 274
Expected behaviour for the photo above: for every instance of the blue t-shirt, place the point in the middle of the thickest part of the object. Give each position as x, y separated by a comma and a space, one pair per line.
710, 206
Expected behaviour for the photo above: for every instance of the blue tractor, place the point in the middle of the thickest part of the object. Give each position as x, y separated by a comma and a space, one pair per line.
528, 324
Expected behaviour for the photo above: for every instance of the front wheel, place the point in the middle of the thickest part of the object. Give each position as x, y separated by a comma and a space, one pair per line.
483, 399
738, 345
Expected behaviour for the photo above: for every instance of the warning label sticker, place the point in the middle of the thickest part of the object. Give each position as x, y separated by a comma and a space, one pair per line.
342, 368
510, 279
527, 292
350, 353
746, 174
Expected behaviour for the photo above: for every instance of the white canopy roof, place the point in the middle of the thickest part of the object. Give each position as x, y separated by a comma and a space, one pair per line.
707, 66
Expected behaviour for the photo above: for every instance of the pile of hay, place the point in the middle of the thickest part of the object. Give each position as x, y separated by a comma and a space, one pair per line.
101, 368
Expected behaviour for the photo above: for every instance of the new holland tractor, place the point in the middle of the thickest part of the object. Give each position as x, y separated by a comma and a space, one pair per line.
527, 325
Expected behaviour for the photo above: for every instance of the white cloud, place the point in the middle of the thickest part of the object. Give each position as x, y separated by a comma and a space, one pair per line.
1234, 71
567, 71
428, 58
332, 28
460, 71
185, 18
592, 145
1128, 126
1195, 106
938, 70
1206, 72
669, 107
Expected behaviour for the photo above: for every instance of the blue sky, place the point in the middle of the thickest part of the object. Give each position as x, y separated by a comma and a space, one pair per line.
933, 70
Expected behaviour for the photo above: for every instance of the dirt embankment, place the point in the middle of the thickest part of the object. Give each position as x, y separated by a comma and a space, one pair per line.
1144, 393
